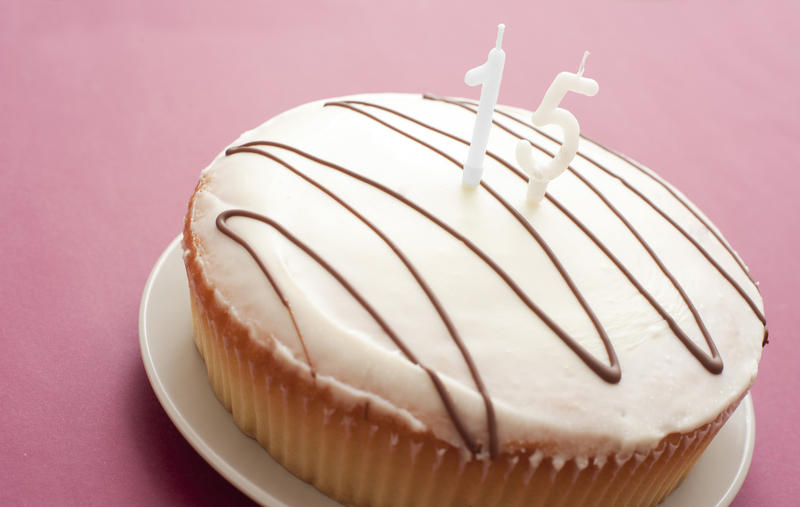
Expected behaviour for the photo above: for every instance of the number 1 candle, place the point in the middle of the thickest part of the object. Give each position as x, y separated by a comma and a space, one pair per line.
488, 76
549, 114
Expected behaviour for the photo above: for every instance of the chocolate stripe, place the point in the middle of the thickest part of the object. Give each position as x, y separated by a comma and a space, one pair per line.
685, 204
455, 234
439, 386
759, 314
713, 362
491, 420
610, 373
222, 226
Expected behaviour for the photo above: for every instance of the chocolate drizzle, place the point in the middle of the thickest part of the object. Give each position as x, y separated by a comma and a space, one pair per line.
609, 372
758, 313
222, 219
223, 227
491, 422
713, 362
639, 194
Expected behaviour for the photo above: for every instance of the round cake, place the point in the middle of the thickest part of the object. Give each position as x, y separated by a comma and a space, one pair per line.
395, 338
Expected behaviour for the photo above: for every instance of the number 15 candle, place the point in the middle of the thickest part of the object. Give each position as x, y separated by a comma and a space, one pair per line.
488, 76
549, 114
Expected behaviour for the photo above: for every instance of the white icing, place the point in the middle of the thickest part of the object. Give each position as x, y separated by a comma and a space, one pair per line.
623, 457
600, 461
512, 463
541, 390
536, 458
439, 457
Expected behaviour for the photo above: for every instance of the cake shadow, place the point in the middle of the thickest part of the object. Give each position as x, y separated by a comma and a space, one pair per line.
178, 473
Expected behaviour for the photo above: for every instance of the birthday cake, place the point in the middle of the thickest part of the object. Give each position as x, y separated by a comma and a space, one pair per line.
395, 338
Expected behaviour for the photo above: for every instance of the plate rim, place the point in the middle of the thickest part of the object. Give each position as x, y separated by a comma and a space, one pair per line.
261, 495
217, 462
749, 446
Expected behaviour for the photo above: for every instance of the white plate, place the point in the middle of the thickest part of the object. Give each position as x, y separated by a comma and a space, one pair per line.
178, 377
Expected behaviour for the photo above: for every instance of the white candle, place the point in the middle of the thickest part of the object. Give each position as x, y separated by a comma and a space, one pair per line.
488, 76
548, 113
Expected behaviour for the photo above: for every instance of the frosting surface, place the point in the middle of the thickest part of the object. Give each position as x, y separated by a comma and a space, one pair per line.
597, 322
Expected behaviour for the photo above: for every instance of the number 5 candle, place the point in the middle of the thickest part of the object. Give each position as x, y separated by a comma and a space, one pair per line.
488, 76
549, 114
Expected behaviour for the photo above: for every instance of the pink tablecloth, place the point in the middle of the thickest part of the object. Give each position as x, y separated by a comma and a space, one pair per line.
108, 113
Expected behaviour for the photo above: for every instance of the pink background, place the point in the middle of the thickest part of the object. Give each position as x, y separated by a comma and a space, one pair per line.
109, 112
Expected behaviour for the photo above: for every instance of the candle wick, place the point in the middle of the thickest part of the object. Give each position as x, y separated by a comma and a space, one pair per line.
583, 63
500, 29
